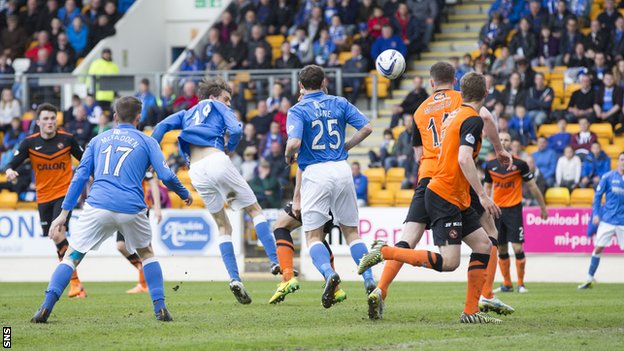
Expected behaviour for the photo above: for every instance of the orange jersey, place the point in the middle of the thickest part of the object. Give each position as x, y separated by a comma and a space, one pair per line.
51, 162
507, 185
462, 127
428, 119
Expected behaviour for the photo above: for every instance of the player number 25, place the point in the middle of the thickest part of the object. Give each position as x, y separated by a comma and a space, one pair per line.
330, 130
126, 151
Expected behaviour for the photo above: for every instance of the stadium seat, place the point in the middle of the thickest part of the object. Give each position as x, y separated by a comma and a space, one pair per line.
602, 130
403, 198
252, 114
614, 163
395, 174
293, 170
557, 197
396, 131
547, 130
374, 187
171, 137
500, 87
382, 90
184, 176
573, 128
275, 40
530, 149
557, 86
381, 198
375, 175
3, 177
393, 186
28, 116
26, 205
559, 103
344, 56
571, 88
8, 200
148, 132
176, 202
169, 149
582, 197
619, 141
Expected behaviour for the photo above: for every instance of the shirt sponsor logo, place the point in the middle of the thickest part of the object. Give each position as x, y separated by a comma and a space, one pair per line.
51, 166
470, 138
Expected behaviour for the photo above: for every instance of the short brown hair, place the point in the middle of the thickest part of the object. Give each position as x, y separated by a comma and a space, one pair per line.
45, 107
311, 77
213, 87
127, 108
473, 87
442, 73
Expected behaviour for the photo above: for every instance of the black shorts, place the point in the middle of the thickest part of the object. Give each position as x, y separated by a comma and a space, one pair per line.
49, 211
417, 212
120, 236
329, 225
509, 225
475, 203
448, 223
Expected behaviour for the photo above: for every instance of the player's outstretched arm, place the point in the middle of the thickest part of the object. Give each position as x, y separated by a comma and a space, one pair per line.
165, 174
491, 131
296, 207
359, 136
19, 156
467, 165
292, 147
232, 125
537, 195
600, 190
172, 122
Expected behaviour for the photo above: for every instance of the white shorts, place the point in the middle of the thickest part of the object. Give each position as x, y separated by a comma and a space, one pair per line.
606, 232
95, 225
216, 180
324, 187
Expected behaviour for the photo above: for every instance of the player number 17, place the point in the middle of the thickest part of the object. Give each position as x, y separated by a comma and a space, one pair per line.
126, 151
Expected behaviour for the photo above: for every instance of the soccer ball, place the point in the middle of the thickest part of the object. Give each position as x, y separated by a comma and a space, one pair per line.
390, 64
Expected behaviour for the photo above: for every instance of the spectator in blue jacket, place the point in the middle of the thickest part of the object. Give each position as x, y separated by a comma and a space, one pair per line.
523, 126
68, 12
192, 63
510, 10
561, 139
78, 36
150, 108
13, 136
361, 184
387, 40
546, 160
595, 164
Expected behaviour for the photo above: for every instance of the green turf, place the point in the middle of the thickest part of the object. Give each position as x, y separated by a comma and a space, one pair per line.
418, 316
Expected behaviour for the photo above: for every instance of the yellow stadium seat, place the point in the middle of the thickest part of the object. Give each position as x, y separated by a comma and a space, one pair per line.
176, 202
293, 170
344, 56
602, 130
59, 118
570, 88
395, 174
28, 116
621, 11
557, 197
396, 131
585, 31
242, 77
511, 34
184, 177
148, 132
619, 141
375, 175
547, 130
275, 40
382, 90
475, 53
573, 128
169, 149
582, 197
26, 205
559, 103
374, 187
557, 86
171, 137
403, 198
8, 200
542, 69
614, 163
381, 198
530, 149
500, 87
3, 178
393, 186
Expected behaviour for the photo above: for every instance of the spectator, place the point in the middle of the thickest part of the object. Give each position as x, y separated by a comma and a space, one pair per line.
62, 64
537, 17
80, 126
167, 100
387, 40
214, 45
356, 64
608, 17
226, 27
580, 9
595, 165
599, 69
546, 160
597, 40
283, 18
503, 127
287, 60
425, 12
149, 108
365, 41
461, 69
581, 103
539, 100
366, 10
581, 142
266, 187
262, 122
499, 111
561, 139
523, 44
12, 137
485, 57
503, 66
386, 149
517, 149
322, 48
615, 48
256, 40
273, 136
301, 45
235, 52
390, 8
78, 35
13, 39
69, 114
539, 180
568, 169
316, 22
338, 33
569, 39
547, 50
9, 108
217, 63
273, 101
281, 115
110, 8
403, 151
102, 125
608, 101
494, 95
249, 140
102, 29
55, 29
494, 33
236, 11
558, 19
275, 156
62, 45
68, 12
104, 66
93, 11
361, 184
265, 15
260, 61
410, 104
578, 58
618, 73
246, 26
92, 109
523, 125
510, 10
376, 22
513, 93
43, 63
188, 98
192, 63
5, 69
43, 43
406, 26
249, 165
527, 74
50, 11
348, 11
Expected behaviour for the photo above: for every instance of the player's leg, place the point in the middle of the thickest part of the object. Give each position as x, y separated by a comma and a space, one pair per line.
284, 224
339, 294
263, 231
134, 260
520, 265
321, 260
358, 250
504, 262
604, 234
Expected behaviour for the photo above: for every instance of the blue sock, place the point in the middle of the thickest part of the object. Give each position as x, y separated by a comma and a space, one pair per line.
263, 231
358, 250
228, 257
593, 266
154, 279
320, 258
59, 281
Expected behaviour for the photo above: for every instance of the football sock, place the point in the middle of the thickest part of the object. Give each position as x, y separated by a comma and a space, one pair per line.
390, 271
358, 250
60, 278
476, 277
227, 255
320, 258
285, 252
419, 258
331, 254
154, 278
490, 273
520, 263
503, 263
593, 266
135, 260
61, 248
266, 238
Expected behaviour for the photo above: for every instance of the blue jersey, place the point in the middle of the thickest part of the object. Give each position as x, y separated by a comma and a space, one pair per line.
204, 124
117, 159
612, 211
319, 121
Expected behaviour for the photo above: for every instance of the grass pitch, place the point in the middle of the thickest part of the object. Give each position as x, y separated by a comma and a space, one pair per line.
418, 316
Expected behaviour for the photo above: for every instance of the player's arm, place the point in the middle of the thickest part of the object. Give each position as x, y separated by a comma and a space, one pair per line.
19, 156
487, 182
600, 190
233, 126
76, 150
529, 178
296, 206
295, 134
491, 131
356, 119
154, 189
172, 122
165, 174
417, 143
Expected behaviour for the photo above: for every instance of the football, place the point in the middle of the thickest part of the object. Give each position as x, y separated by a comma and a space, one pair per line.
390, 64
